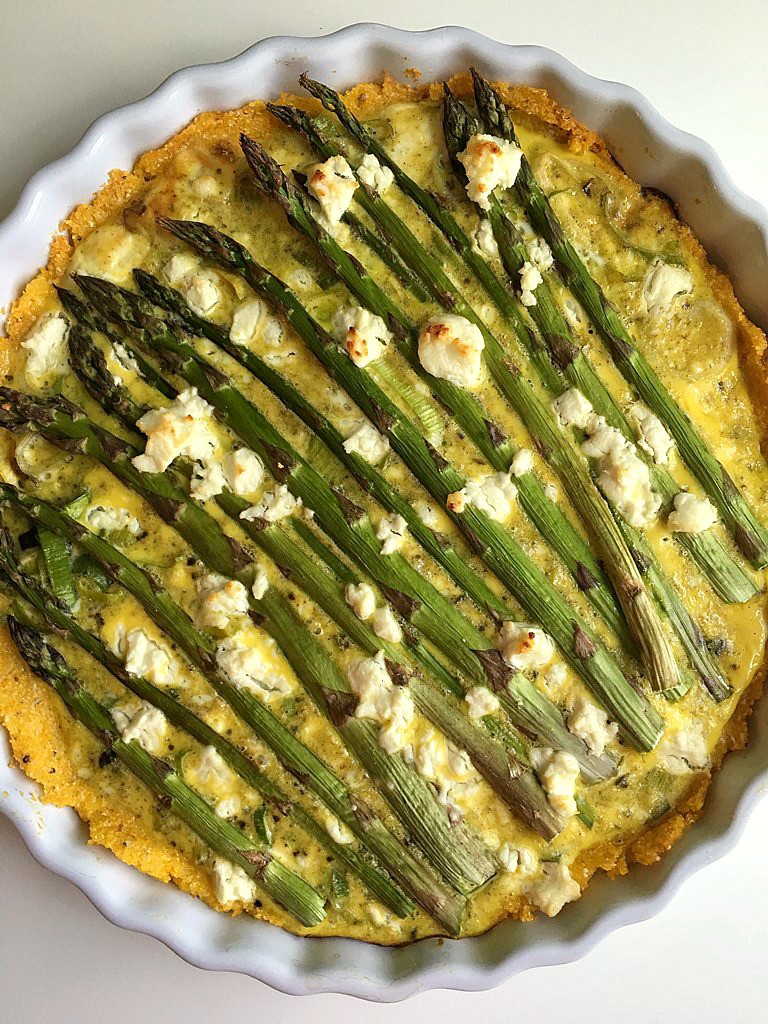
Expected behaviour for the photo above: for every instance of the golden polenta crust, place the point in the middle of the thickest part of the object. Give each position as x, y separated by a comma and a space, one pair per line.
39, 727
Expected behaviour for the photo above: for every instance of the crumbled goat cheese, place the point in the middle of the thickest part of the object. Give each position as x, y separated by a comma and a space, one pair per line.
557, 771
493, 494
386, 626
245, 322
220, 600
368, 443
556, 675
378, 698
530, 279
179, 429
363, 335
143, 657
180, 267
110, 520
522, 462
361, 599
274, 506
391, 533
490, 163
684, 750
148, 726
243, 471
550, 491
508, 857
590, 723
440, 762
231, 883
540, 254
272, 331
333, 185
653, 435
47, 349
450, 347
124, 357
554, 889
242, 664
572, 409
260, 584
525, 647
481, 701
691, 514
427, 514
338, 831
372, 174
483, 241
207, 481
200, 287
662, 283
623, 477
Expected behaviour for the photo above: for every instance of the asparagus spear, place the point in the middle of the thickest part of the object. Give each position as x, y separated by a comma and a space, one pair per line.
625, 705
60, 621
750, 534
640, 610
562, 352
287, 888
524, 703
415, 877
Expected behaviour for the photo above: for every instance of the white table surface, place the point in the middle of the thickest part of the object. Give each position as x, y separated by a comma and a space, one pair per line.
703, 65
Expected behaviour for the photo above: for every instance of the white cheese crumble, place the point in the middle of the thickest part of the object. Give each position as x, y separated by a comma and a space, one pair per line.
481, 701
683, 750
368, 443
391, 533
554, 889
143, 657
483, 241
662, 283
245, 321
522, 462
557, 771
378, 698
207, 481
373, 174
524, 647
46, 345
653, 435
590, 723
200, 287
572, 409
691, 514
272, 331
438, 761
220, 601
338, 831
450, 347
493, 494
110, 520
148, 726
361, 599
508, 857
274, 506
260, 584
179, 429
333, 185
427, 514
231, 883
243, 471
243, 666
540, 254
530, 279
490, 163
623, 477
556, 675
363, 335
386, 626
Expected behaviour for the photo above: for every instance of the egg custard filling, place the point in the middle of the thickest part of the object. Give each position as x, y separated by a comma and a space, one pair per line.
382, 503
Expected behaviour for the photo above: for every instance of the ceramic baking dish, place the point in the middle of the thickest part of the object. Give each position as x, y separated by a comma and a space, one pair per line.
734, 230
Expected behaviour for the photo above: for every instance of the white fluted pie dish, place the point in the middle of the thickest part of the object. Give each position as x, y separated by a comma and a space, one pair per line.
734, 231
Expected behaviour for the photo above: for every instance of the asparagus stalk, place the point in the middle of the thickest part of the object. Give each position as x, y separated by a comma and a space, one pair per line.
56, 619
418, 880
625, 705
527, 707
638, 605
750, 535
562, 352
287, 888
510, 779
